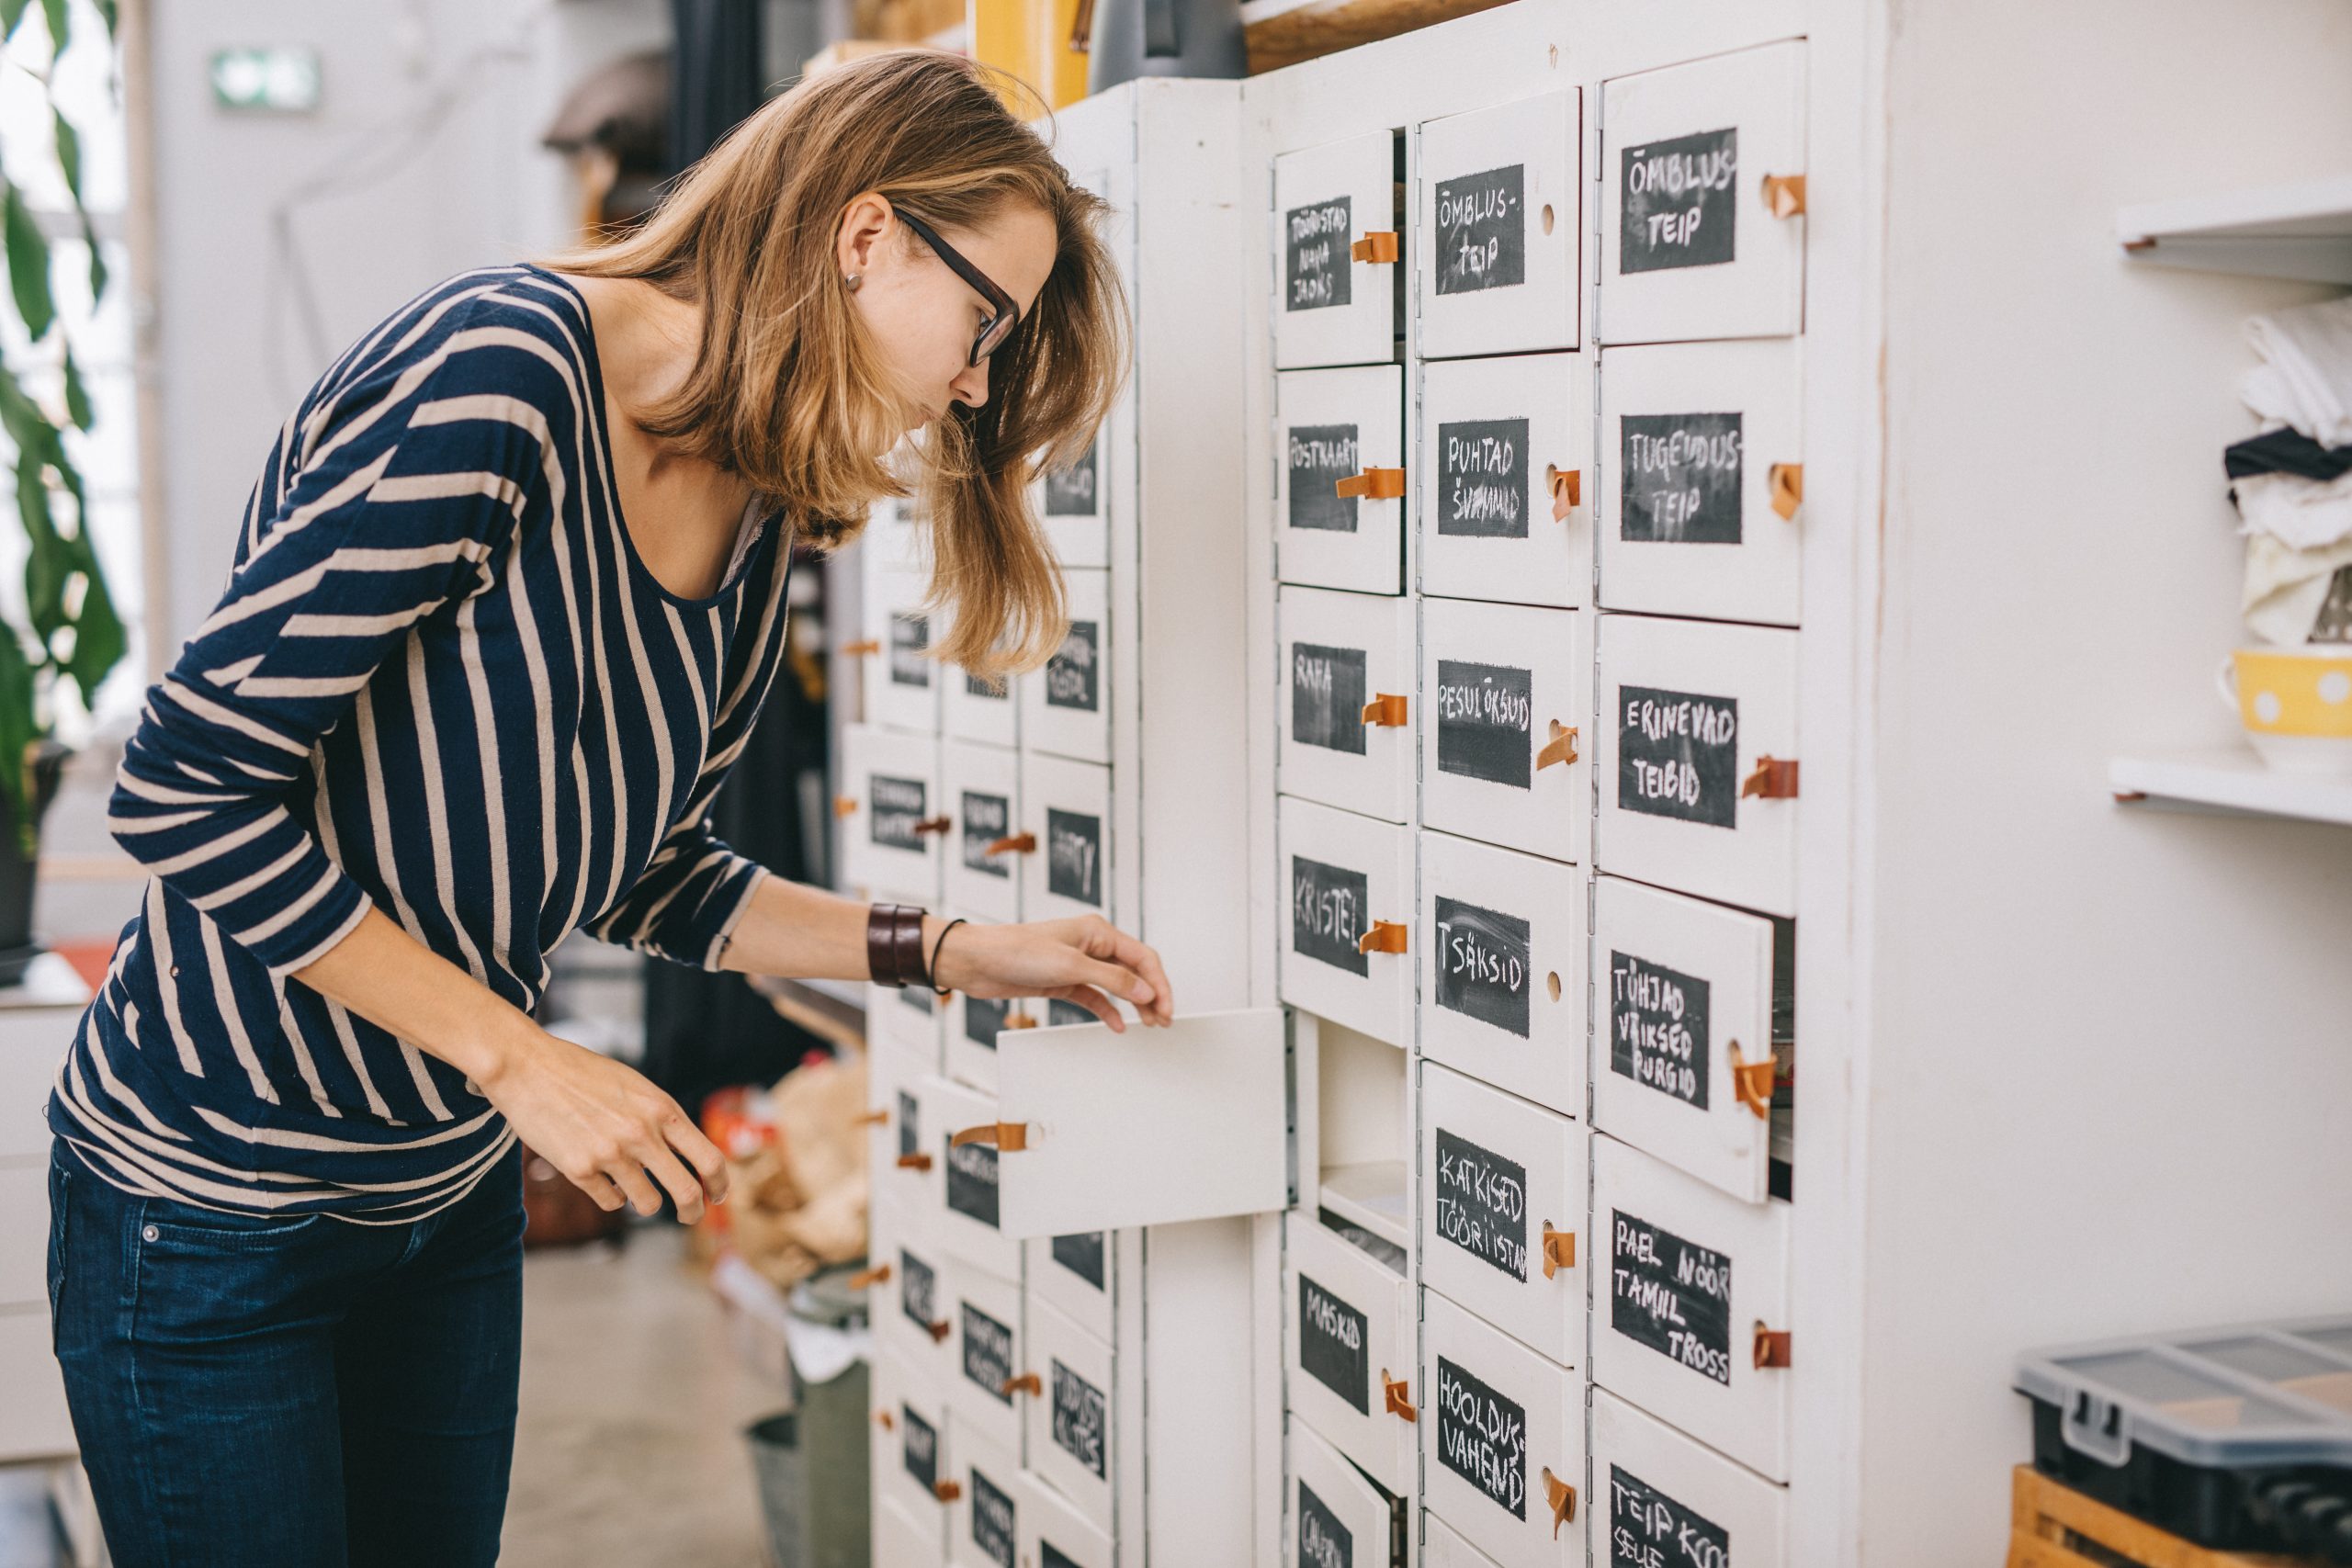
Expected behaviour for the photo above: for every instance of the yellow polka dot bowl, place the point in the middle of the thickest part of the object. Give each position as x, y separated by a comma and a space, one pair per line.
2296, 705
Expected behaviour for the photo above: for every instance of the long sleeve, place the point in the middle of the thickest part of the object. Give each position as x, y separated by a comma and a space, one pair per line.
406, 488
693, 892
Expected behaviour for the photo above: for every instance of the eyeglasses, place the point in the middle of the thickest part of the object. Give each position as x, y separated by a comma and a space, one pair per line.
998, 327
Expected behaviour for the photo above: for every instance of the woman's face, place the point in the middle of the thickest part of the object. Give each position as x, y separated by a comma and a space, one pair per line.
922, 316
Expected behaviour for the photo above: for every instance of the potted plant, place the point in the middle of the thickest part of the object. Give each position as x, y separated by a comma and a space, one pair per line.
65, 632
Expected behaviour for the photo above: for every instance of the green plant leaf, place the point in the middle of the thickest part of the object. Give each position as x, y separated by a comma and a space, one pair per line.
99, 640
28, 262
99, 274
59, 31
69, 153
17, 730
106, 11
11, 13
47, 560
77, 396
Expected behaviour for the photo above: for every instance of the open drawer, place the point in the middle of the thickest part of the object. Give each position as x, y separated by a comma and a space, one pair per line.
1506, 1429
1672, 1502
1348, 955
1341, 286
1502, 969
1338, 1517
1347, 702
1499, 228
1506, 470
1348, 1338
1505, 694
890, 818
1339, 500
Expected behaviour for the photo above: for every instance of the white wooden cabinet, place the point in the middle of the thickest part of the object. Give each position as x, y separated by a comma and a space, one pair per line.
1338, 279
890, 813
983, 1521
1068, 839
1505, 736
1339, 1516
1505, 1465
1341, 485
914, 1461
1349, 1325
1348, 955
902, 681
1077, 1274
1348, 706
980, 866
1502, 944
1066, 704
1497, 226
989, 1354
1504, 479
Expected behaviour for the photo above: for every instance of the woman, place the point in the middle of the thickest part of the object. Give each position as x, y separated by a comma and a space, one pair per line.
506, 599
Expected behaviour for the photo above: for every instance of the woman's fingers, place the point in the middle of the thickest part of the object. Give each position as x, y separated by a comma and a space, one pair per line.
687, 1193
631, 1180
1096, 1003
1139, 960
698, 1151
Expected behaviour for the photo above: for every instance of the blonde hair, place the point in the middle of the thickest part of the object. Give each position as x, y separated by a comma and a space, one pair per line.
788, 391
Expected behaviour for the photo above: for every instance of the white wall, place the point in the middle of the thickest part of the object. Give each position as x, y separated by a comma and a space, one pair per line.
2110, 1058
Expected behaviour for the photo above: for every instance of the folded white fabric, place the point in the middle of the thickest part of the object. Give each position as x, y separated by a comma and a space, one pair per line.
2285, 587
2305, 378
2303, 514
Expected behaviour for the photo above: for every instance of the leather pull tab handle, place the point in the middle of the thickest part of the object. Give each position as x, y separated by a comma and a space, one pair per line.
1771, 1347
914, 1162
1396, 1397
939, 1331
861, 648
866, 1279
1372, 484
934, 825
1788, 489
1560, 749
1567, 491
876, 1118
947, 1491
1784, 194
1379, 246
1019, 1020
1559, 1250
844, 806
1013, 844
1775, 778
1563, 1498
1011, 1136
1752, 1082
1027, 1383
1386, 710
885, 1420
1386, 936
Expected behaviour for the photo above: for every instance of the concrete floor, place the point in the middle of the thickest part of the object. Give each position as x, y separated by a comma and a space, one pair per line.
630, 1448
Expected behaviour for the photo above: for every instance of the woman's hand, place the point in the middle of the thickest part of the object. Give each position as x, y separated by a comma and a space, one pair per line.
607, 1129
1085, 960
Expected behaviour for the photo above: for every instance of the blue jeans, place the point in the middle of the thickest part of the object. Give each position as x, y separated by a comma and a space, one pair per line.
274, 1392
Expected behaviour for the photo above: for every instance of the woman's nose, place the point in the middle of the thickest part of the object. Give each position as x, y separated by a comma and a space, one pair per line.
971, 387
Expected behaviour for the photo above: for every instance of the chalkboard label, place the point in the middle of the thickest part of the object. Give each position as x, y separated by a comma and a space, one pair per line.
1060, 1012
987, 818
1658, 1025
981, 687
971, 1181
988, 1352
1320, 455
1070, 675
1327, 697
1481, 1203
1485, 726
1678, 756
1649, 1529
917, 1291
1482, 1437
895, 805
1482, 478
1328, 906
1315, 254
1323, 1541
1482, 964
984, 1019
910, 1124
1074, 856
910, 636
1081, 1254
1680, 203
1331, 1344
1482, 230
1054, 1557
919, 1447
1671, 1296
1069, 493
992, 1521
1681, 484
1079, 1419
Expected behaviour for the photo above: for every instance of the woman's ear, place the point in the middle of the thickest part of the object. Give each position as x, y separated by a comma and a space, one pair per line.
866, 222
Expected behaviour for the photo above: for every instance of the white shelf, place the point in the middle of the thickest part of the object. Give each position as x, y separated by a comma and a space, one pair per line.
2301, 231
2234, 781
1371, 1196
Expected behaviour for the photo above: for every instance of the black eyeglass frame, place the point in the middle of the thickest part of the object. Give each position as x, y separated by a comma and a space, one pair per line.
997, 328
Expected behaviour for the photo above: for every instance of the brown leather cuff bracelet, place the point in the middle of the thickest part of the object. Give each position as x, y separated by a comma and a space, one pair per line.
894, 954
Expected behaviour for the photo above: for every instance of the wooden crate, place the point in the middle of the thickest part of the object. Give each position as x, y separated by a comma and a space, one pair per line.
2053, 1526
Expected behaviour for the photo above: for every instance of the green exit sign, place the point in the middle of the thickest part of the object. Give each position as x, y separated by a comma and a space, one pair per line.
281, 79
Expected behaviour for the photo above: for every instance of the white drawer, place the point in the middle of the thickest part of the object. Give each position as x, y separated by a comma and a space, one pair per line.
902, 681
980, 788
969, 1222
974, 709
1506, 1431
907, 1022
904, 1163
912, 1305
914, 1462
1689, 995
1503, 968
1339, 478
1498, 228
1054, 1534
1503, 1226
1442, 1546
1072, 1427
1333, 307
1074, 1275
1351, 911
1672, 1503
1336, 1518
1693, 242
1347, 701
1701, 496
989, 1350
1066, 704
973, 1025
1697, 1283
1066, 811
902, 1542
1074, 504
1697, 754
1504, 463
891, 817
983, 1523
1349, 1350
1501, 688
24, 1232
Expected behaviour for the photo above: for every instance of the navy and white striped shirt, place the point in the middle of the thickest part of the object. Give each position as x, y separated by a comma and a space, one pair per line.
441, 683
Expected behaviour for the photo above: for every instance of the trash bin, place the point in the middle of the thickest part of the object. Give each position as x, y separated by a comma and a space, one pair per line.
811, 1461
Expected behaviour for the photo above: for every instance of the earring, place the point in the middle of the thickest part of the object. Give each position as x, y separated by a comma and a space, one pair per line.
854, 279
